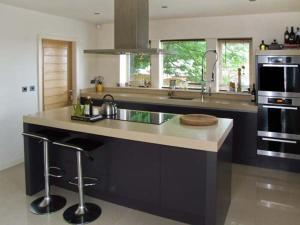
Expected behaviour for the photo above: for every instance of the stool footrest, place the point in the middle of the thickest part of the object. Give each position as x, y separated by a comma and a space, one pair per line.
88, 181
56, 172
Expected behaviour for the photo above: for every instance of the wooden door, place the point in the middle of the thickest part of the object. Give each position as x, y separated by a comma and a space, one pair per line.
57, 74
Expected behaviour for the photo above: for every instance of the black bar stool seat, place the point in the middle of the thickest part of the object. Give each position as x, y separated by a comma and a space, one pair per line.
83, 144
47, 135
83, 212
48, 203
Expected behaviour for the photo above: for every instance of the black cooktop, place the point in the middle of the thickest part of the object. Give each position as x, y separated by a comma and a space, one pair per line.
156, 118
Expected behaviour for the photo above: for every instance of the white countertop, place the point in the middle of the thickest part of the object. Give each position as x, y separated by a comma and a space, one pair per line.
208, 103
170, 133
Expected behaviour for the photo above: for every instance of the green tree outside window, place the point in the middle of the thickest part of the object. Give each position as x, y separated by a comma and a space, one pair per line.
186, 64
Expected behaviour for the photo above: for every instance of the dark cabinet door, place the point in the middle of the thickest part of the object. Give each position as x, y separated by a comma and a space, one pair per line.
183, 181
134, 172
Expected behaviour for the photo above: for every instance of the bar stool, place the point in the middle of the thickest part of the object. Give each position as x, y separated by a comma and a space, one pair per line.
48, 203
83, 212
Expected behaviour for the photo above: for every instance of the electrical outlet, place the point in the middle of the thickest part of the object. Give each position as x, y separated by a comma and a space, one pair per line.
24, 89
32, 88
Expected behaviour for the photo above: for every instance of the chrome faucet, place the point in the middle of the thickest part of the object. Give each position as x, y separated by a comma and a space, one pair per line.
202, 90
203, 82
172, 88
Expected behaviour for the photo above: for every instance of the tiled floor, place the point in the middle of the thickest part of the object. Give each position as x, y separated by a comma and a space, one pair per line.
259, 197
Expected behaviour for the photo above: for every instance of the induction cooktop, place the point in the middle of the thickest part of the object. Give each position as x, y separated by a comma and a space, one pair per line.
155, 118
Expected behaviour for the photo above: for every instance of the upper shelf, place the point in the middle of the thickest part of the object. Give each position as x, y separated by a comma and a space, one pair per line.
285, 52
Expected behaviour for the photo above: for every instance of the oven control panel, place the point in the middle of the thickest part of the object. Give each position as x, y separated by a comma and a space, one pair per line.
281, 101
279, 59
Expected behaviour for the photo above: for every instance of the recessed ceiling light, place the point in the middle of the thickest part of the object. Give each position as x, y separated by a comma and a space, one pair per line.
164, 6
97, 13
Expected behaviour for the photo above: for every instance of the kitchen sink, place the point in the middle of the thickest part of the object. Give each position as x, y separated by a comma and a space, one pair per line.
181, 98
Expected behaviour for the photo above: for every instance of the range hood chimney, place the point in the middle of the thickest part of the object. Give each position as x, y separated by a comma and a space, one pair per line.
131, 30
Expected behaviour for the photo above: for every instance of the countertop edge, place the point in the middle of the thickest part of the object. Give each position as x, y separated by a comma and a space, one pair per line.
151, 138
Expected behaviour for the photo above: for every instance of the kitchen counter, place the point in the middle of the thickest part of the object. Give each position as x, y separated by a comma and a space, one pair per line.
170, 133
209, 102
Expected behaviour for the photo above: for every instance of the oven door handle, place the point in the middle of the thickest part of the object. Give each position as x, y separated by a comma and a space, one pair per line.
280, 107
279, 140
280, 65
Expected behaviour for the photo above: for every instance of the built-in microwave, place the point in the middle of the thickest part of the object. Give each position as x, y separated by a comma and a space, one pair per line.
278, 76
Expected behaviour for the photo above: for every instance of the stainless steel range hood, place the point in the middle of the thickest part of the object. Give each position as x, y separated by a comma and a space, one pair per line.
131, 30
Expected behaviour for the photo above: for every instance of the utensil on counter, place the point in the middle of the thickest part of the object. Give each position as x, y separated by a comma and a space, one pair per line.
109, 107
198, 120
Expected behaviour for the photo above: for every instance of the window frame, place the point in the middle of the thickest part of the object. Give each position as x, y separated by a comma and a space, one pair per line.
129, 59
181, 40
220, 41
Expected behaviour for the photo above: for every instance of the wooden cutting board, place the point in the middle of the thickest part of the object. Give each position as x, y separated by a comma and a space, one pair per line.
198, 120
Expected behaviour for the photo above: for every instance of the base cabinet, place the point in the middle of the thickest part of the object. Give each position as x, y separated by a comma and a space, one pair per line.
134, 172
177, 196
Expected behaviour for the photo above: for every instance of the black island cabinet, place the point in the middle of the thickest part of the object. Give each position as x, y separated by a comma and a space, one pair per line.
187, 185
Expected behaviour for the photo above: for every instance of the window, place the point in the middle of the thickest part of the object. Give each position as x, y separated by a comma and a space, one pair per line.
185, 67
234, 54
139, 70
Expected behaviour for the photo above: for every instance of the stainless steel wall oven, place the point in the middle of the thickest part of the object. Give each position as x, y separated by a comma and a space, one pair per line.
278, 106
278, 76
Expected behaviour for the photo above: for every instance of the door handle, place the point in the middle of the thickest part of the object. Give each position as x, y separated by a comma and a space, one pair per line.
280, 107
280, 65
279, 140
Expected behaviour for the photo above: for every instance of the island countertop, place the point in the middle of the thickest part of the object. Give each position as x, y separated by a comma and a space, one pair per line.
170, 133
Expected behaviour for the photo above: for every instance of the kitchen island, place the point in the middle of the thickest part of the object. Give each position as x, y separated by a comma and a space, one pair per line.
170, 170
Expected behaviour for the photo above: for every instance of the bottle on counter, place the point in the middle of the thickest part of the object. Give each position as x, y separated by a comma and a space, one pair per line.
88, 106
253, 94
286, 36
239, 84
298, 36
292, 37
263, 46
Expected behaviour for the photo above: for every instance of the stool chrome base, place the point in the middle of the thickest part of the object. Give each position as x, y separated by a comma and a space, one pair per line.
43, 205
91, 213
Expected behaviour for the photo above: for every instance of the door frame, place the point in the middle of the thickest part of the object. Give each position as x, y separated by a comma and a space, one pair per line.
40, 89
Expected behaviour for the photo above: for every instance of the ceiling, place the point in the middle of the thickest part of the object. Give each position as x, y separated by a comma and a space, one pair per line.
85, 9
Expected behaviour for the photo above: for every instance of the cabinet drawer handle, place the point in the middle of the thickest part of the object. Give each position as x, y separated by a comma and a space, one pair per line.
280, 107
281, 66
279, 140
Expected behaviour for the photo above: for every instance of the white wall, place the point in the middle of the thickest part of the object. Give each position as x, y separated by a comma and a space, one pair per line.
19, 33
259, 27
